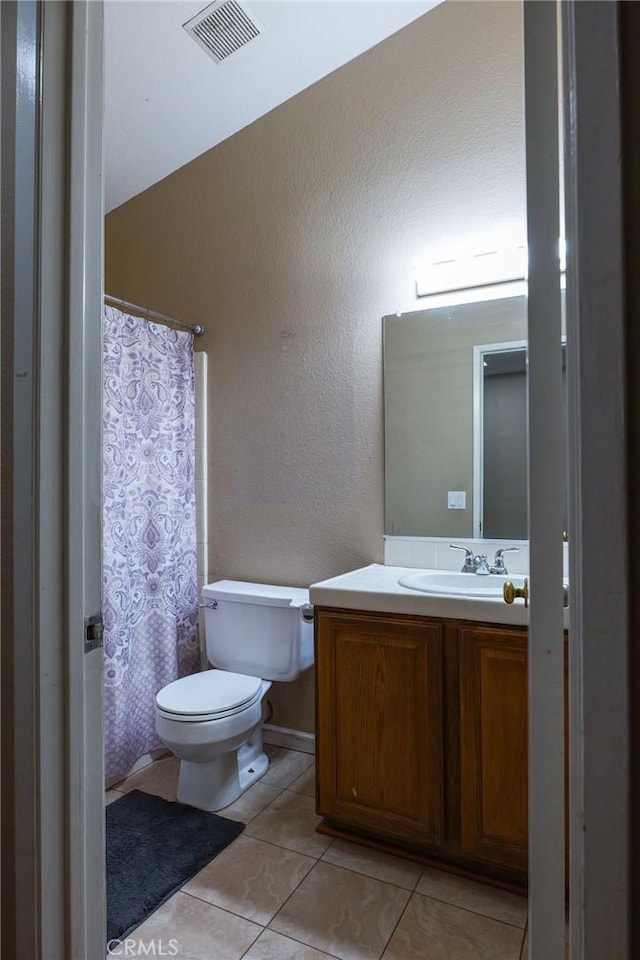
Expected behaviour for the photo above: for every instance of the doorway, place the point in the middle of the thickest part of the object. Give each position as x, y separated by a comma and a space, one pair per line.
599, 28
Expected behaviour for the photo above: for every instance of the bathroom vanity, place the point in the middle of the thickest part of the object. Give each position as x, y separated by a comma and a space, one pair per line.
421, 723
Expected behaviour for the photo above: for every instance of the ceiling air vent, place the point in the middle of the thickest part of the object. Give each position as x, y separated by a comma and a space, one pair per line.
222, 28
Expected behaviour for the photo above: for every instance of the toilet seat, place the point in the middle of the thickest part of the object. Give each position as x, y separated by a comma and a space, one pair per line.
210, 695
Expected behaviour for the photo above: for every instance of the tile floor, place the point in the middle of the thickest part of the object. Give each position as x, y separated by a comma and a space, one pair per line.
281, 891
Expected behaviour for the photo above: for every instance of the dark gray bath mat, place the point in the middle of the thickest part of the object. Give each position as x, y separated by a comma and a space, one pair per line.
153, 848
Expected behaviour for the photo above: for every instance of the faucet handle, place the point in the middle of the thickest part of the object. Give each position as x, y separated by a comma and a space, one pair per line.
469, 565
502, 550
498, 561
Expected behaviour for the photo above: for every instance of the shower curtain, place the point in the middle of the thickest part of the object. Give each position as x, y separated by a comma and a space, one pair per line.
149, 552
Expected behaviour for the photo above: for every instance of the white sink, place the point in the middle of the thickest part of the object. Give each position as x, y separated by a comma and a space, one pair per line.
459, 584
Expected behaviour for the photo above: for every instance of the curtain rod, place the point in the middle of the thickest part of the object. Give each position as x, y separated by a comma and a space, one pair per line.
195, 328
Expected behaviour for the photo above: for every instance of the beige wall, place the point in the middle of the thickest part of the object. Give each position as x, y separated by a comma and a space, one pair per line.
290, 241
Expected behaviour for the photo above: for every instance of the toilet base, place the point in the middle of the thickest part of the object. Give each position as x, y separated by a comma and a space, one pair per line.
217, 783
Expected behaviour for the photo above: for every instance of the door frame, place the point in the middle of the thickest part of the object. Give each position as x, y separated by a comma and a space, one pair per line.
600, 638
52, 862
547, 478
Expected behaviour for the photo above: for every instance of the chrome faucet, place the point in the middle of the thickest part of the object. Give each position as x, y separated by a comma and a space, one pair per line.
469, 565
480, 564
498, 561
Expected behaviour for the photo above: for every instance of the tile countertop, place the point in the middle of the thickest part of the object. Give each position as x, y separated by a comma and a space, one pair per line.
375, 588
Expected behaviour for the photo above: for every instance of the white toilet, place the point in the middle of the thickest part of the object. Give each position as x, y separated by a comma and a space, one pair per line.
212, 721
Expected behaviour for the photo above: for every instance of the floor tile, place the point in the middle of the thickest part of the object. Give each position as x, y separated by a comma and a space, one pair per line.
285, 766
159, 778
199, 931
112, 795
251, 878
477, 897
524, 954
342, 913
380, 866
251, 802
273, 946
290, 821
440, 931
306, 783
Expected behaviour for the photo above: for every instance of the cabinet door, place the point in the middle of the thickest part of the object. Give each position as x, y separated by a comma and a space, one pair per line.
380, 726
493, 745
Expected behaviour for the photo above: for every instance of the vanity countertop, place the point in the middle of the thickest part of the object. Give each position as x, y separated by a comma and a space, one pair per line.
376, 588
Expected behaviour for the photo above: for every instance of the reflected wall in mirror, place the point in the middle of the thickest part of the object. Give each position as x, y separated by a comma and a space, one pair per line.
429, 414
500, 440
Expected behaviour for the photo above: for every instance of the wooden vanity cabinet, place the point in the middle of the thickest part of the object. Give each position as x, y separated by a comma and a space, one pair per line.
421, 737
493, 745
380, 725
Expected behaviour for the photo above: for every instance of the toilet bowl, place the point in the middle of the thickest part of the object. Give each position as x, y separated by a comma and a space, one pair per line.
208, 722
212, 720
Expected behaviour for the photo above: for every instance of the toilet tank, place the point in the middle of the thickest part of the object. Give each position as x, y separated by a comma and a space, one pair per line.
258, 629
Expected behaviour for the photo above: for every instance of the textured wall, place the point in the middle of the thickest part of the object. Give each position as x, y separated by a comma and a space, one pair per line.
290, 241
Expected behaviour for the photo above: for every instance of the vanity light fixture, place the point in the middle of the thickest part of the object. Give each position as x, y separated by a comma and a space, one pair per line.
490, 274
488, 267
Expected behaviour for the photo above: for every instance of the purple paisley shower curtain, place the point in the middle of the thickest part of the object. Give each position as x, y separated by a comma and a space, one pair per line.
149, 563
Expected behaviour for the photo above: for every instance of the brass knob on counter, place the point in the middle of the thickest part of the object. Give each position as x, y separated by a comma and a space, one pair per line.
511, 593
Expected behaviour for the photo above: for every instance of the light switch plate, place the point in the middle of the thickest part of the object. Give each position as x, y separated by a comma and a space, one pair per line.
457, 499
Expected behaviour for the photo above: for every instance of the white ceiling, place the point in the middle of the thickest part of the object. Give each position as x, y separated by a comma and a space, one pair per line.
166, 101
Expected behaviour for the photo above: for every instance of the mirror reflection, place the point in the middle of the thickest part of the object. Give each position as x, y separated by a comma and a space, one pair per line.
500, 441
455, 442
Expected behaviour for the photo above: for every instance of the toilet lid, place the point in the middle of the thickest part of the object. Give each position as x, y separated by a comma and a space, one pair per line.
208, 693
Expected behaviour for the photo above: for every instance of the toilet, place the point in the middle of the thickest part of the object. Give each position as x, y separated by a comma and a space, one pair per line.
212, 721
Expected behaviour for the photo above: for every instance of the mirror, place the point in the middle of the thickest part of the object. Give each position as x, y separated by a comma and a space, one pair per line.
432, 408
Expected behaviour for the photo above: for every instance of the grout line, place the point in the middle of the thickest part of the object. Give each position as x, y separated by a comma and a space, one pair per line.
296, 776
303, 943
476, 913
217, 906
524, 937
298, 796
248, 836
272, 843
221, 813
359, 873
253, 942
299, 793
285, 902
292, 792
287, 787
242, 916
391, 935
521, 954
321, 857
